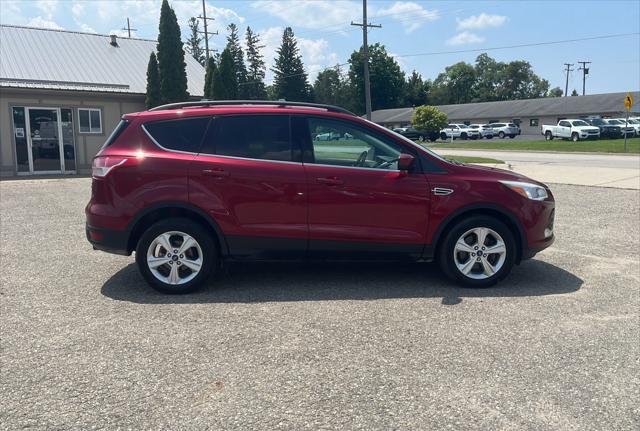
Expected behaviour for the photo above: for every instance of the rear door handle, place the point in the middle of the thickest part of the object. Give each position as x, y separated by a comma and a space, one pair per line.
330, 181
215, 172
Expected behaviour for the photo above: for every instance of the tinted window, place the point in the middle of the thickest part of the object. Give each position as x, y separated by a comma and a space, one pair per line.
252, 137
180, 135
342, 144
116, 132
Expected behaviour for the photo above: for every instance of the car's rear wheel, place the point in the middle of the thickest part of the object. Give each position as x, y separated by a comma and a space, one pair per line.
512, 136
176, 255
443, 136
548, 136
478, 252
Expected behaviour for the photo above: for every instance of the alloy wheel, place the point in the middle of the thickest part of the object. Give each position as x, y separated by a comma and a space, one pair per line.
174, 257
479, 253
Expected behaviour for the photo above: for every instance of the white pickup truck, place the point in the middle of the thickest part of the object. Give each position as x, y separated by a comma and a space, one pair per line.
571, 129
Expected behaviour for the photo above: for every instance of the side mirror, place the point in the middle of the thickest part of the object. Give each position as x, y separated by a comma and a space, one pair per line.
405, 161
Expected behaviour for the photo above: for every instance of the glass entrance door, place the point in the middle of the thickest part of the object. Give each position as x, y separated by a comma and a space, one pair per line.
44, 140
44, 133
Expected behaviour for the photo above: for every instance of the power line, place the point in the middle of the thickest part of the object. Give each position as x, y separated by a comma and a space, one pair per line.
523, 45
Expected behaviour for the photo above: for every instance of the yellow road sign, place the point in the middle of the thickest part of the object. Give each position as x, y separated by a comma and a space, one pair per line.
628, 101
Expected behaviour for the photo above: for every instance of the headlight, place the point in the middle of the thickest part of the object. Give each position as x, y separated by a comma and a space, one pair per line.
528, 190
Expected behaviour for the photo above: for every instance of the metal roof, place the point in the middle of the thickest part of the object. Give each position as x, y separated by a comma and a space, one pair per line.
607, 103
67, 60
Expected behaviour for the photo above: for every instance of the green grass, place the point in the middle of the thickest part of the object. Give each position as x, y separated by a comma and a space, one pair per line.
600, 146
471, 159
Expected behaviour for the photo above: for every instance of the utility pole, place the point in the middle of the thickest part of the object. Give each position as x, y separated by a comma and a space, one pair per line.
128, 28
585, 72
365, 52
206, 33
566, 85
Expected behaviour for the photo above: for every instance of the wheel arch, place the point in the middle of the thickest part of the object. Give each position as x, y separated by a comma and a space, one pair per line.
496, 211
150, 215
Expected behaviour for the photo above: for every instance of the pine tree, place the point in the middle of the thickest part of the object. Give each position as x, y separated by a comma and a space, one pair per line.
194, 43
290, 79
209, 78
152, 98
254, 87
225, 84
240, 70
171, 65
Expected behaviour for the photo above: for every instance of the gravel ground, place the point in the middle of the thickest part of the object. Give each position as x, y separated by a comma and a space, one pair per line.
86, 344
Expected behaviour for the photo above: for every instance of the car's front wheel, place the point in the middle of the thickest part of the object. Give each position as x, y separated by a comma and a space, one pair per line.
176, 255
501, 135
478, 252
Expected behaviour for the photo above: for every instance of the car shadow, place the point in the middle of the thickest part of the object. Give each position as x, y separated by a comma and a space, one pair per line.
311, 281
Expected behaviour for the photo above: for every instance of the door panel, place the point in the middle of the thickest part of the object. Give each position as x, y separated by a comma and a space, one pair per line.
260, 205
366, 206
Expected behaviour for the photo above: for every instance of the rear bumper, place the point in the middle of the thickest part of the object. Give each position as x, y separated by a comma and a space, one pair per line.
108, 240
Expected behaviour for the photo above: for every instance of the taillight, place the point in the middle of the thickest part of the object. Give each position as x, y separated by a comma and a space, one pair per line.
103, 165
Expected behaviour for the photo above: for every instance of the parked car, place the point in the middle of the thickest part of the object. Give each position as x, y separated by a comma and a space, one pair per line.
326, 137
485, 130
188, 186
415, 134
503, 130
630, 123
606, 130
461, 131
571, 129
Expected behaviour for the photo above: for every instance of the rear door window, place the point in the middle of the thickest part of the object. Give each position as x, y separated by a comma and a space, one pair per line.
264, 137
184, 134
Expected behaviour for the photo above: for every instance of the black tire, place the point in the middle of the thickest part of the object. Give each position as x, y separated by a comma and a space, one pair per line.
512, 136
464, 136
445, 255
548, 135
575, 137
490, 137
501, 135
432, 138
195, 230
443, 136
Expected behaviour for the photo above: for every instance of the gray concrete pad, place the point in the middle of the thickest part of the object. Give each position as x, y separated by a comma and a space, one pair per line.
86, 344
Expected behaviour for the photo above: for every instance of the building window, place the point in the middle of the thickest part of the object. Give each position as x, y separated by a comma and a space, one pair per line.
533, 122
89, 120
516, 121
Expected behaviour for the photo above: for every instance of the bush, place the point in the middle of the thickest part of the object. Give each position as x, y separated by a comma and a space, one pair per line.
429, 119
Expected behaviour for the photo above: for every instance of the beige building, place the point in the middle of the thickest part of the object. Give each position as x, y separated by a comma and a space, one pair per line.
62, 93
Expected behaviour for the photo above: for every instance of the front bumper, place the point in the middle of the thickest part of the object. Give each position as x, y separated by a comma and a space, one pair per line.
108, 240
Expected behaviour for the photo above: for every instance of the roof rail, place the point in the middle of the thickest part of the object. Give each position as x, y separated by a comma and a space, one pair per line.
280, 103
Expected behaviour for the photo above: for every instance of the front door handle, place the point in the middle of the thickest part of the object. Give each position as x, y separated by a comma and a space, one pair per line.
330, 181
215, 172
441, 191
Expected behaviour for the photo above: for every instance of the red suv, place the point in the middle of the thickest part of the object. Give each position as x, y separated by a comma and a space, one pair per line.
190, 185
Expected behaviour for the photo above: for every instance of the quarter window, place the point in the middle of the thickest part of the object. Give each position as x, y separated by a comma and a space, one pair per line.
89, 120
179, 135
251, 136
340, 144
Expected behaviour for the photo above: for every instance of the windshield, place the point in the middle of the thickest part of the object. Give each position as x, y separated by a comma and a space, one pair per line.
618, 122
579, 123
632, 121
597, 122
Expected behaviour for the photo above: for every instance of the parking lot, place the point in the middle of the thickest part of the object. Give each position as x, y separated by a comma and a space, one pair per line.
86, 344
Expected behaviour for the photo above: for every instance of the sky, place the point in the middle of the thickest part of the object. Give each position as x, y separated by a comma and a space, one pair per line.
425, 36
